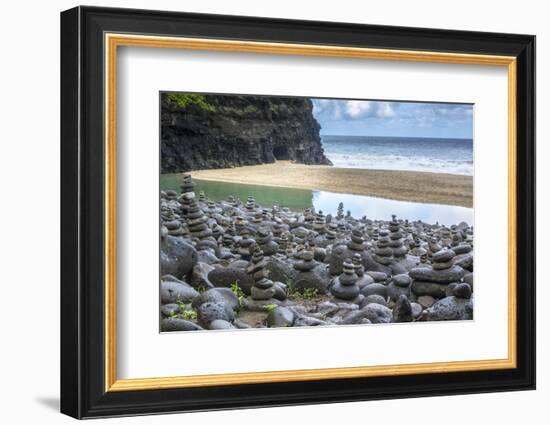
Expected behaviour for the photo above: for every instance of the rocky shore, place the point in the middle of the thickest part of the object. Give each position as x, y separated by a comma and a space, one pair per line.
235, 264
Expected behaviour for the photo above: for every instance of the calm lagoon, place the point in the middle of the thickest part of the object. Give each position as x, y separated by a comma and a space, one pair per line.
299, 199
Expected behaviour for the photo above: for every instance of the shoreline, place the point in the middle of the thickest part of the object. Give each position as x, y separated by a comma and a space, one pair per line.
411, 186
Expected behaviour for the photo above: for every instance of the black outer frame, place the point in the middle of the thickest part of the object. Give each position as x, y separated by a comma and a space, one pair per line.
82, 206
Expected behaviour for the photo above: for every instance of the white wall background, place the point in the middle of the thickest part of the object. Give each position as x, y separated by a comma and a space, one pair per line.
29, 215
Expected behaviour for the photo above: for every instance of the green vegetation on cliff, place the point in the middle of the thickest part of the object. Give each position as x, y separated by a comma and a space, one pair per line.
184, 100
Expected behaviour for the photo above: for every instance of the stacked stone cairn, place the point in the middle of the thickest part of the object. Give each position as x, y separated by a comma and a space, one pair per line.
433, 281
338, 269
263, 287
345, 286
264, 238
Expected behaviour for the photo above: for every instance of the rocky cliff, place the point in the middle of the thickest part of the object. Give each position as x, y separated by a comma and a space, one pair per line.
221, 131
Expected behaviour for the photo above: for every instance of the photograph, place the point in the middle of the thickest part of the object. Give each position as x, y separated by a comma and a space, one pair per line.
283, 211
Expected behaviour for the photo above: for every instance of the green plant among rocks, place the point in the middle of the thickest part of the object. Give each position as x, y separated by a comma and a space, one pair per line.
239, 293
189, 315
270, 307
306, 294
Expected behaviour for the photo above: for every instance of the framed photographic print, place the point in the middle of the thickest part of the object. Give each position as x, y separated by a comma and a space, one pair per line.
261, 212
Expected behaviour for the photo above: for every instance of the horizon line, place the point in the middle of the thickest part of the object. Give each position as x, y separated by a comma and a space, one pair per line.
398, 137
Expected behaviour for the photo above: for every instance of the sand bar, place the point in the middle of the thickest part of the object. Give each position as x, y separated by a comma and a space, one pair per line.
414, 186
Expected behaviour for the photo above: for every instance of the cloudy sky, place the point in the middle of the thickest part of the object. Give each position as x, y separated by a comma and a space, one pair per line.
400, 119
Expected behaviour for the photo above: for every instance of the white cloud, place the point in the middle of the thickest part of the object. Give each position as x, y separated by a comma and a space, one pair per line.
358, 108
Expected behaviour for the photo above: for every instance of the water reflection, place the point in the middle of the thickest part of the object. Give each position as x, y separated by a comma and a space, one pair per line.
382, 209
299, 199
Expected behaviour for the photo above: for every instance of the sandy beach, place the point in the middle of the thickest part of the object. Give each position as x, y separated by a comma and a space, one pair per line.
414, 186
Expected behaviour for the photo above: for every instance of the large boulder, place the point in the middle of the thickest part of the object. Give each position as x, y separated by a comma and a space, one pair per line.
222, 296
227, 276
280, 317
176, 292
280, 270
435, 290
210, 311
450, 308
318, 278
177, 257
375, 289
377, 313
172, 324
452, 274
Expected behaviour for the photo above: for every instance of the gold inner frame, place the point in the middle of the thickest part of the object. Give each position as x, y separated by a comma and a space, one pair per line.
113, 41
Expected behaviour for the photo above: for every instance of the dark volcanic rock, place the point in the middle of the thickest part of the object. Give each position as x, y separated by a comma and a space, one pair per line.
175, 324
402, 311
377, 313
280, 317
225, 277
450, 308
174, 292
177, 257
375, 289
210, 311
453, 274
200, 132
436, 290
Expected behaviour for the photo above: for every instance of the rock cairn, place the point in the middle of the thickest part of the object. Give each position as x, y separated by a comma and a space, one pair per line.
434, 280
336, 269
263, 287
345, 286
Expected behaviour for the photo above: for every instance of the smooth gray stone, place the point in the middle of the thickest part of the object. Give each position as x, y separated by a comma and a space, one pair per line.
281, 291
450, 287
174, 292
453, 274
436, 290
227, 276
443, 256
220, 325
426, 301
416, 310
222, 296
378, 276
171, 324
262, 294
344, 292
374, 298
402, 280
375, 288
177, 257
462, 290
466, 262
394, 291
280, 270
169, 310
280, 317
317, 278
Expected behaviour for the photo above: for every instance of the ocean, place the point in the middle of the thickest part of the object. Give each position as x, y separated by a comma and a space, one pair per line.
453, 156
